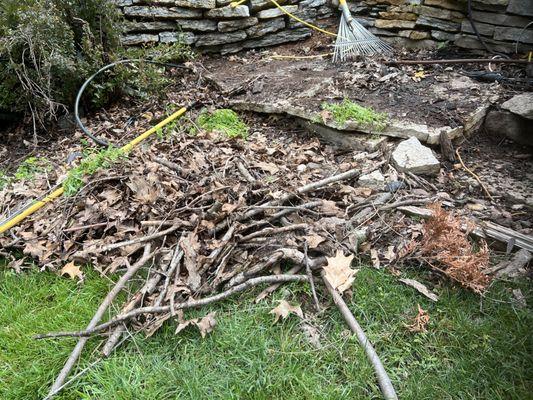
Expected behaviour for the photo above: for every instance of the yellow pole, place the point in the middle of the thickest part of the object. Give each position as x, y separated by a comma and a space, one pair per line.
58, 192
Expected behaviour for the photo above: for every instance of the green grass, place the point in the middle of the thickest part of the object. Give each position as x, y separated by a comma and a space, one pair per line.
350, 111
88, 166
224, 121
469, 352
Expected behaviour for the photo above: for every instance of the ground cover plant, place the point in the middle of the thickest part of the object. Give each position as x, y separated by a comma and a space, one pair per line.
473, 347
224, 121
347, 110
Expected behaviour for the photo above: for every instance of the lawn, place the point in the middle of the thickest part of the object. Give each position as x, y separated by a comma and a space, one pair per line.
473, 349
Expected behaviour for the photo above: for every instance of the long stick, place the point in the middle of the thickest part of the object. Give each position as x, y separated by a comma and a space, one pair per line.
383, 378
69, 364
180, 306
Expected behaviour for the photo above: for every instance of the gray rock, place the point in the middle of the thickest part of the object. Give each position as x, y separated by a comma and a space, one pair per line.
263, 28
307, 14
222, 3
275, 12
172, 37
410, 155
311, 3
230, 26
324, 12
374, 180
215, 39
472, 42
257, 5
504, 123
150, 26
269, 40
521, 7
447, 15
229, 12
200, 25
521, 104
483, 29
512, 34
139, 38
480, 5
443, 36
196, 3
161, 12
436, 23
122, 3
500, 19
449, 4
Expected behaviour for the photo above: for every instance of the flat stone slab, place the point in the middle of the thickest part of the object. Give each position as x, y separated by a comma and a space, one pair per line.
445, 102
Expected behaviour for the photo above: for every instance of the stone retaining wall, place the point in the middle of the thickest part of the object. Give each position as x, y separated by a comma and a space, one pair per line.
214, 26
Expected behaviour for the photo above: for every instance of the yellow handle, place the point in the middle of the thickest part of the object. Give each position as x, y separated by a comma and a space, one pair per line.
58, 192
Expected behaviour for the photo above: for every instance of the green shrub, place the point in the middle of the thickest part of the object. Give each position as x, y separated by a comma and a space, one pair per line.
49, 47
224, 121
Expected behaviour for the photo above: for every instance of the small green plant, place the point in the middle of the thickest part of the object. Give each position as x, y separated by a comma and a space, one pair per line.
88, 166
443, 45
350, 111
30, 167
225, 121
4, 179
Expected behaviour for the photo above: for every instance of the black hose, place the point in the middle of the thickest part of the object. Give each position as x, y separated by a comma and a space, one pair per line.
86, 132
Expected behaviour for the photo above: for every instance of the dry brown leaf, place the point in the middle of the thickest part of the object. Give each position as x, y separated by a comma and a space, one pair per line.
284, 309
190, 246
72, 271
375, 258
205, 325
420, 321
338, 271
313, 240
421, 288
266, 166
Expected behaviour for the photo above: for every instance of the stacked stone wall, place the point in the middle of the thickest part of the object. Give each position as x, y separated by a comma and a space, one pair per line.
215, 26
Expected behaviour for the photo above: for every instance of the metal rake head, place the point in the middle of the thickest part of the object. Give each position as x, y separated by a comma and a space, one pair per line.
353, 40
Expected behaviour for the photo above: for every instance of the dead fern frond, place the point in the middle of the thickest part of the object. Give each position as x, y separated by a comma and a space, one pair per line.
446, 248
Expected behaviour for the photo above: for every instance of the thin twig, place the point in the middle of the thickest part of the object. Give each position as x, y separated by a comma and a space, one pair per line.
73, 358
180, 306
473, 174
310, 277
383, 378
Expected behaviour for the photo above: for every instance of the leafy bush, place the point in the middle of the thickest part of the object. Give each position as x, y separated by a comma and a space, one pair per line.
49, 47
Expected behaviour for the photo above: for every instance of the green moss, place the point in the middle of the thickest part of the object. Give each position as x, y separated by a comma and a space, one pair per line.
350, 111
224, 121
88, 166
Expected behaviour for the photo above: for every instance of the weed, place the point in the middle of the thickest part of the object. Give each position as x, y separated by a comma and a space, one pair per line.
88, 166
30, 167
4, 180
224, 121
350, 111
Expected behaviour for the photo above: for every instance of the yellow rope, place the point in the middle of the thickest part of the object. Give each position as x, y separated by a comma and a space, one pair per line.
316, 28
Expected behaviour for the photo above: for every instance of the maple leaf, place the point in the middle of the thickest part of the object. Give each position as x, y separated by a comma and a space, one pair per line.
420, 321
72, 271
205, 324
338, 271
284, 309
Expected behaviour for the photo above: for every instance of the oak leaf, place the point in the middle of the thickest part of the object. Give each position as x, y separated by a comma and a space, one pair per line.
338, 271
72, 270
284, 309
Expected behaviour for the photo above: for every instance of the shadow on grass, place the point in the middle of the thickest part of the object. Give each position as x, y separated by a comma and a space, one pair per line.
472, 349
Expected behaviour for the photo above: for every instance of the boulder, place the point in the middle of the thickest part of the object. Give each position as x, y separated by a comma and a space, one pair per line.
505, 123
411, 156
521, 104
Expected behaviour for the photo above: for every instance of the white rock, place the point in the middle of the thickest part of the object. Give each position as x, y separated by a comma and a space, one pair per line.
521, 104
410, 155
372, 180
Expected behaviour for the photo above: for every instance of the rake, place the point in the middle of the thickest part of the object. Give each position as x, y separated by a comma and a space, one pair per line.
354, 40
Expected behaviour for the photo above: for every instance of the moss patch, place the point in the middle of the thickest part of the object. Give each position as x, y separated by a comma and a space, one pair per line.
350, 111
224, 121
